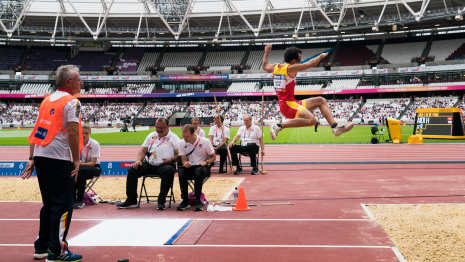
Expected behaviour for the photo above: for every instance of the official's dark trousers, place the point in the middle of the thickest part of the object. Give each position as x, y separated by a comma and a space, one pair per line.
166, 173
85, 172
250, 148
222, 151
196, 173
57, 190
316, 127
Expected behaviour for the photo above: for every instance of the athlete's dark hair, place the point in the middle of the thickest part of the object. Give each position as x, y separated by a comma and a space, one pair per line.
188, 127
292, 53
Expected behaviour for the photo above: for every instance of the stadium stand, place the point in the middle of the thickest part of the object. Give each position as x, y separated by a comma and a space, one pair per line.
366, 85
447, 82
206, 109
443, 49
153, 110
255, 59
102, 60
243, 87
353, 55
87, 110
138, 89
341, 109
308, 87
268, 88
179, 58
130, 59
239, 109
224, 58
104, 90
403, 83
35, 89
340, 84
457, 54
375, 109
277, 56
429, 102
21, 114
161, 91
148, 60
84, 62
403, 52
46, 58
10, 57
111, 113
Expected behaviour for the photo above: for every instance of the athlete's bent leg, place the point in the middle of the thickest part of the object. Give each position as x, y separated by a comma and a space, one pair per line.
306, 118
322, 104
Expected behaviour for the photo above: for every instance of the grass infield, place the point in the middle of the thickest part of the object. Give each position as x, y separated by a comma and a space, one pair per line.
303, 135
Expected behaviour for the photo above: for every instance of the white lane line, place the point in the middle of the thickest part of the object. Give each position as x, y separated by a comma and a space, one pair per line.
219, 219
226, 196
16, 245
370, 215
398, 254
260, 246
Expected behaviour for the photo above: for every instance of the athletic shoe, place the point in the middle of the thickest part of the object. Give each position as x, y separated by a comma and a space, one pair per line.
274, 130
222, 171
161, 206
70, 257
79, 203
127, 204
255, 171
338, 130
238, 171
184, 205
198, 205
40, 254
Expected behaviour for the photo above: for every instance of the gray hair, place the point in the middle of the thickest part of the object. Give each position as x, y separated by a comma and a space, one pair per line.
65, 72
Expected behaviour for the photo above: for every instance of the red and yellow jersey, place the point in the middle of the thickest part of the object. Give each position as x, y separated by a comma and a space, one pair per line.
283, 83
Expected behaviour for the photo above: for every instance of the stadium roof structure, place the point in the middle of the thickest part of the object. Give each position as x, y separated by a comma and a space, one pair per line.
220, 20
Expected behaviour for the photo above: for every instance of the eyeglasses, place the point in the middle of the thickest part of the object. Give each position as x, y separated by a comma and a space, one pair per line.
80, 80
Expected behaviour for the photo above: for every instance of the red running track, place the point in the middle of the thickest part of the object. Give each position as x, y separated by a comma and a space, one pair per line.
327, 222
300, 153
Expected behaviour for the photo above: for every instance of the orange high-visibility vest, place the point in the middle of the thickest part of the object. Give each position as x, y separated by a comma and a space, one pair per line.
50, 122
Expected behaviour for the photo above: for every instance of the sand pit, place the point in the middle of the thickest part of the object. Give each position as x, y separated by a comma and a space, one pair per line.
16, 189
425, 232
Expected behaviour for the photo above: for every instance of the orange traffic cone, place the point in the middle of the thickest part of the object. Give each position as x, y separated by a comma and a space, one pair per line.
241, 203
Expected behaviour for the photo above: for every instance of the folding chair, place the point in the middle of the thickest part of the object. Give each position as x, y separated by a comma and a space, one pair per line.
191, 184
376, 134
89, 188
247, 154
143, 189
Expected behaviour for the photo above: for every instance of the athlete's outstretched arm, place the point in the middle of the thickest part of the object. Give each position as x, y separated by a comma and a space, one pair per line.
267, 67
294, 68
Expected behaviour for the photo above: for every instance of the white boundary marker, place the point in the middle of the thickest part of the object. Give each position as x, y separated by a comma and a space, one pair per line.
225, 197
219, 219
370, 215
273, 246
398, 254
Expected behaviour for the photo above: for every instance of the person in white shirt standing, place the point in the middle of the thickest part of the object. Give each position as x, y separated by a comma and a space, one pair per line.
251, 137
89, 166
198, 131
158, 155
197, 154
219, 136
56, 140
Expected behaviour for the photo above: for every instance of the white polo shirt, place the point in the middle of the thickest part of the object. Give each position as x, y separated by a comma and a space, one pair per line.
59, 148
217, 134
165, 147
201, 150
91, 149
251, 135
199, 132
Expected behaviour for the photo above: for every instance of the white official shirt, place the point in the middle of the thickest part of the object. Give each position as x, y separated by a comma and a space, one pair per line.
199, 132
91, 149
202, 149
166, 147
58, 148
251, 135
217, 134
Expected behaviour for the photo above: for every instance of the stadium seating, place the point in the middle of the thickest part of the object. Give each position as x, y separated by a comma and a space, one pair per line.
239, 109
104, 90
402, 83
154, 110
341, 109
111, 113
224, 58
366, 85
87, 110
158, 91
10, 57
206, 109
353, 55
218, 90
243, 87
181, 59
35, 89
429, 102
21, 114
457, 54
307, 87
102, 60
375, 109
403, 52
340, 84
46, 59
447, 82
138, 89
268, 88
442, 49
148, 60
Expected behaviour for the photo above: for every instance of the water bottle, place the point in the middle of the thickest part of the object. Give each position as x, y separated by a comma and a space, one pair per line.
236, 194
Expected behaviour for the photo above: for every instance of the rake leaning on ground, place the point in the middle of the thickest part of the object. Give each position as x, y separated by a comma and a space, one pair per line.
261, 149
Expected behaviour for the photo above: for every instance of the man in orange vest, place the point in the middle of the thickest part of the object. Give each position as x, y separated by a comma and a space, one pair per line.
57, 132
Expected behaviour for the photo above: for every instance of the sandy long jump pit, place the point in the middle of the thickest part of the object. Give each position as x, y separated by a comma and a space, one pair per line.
434, 232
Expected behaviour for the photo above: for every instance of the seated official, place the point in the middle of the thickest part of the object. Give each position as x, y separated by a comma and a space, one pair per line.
197, 154
251, 137
158, 155
219, 136
198, 131
89, 165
